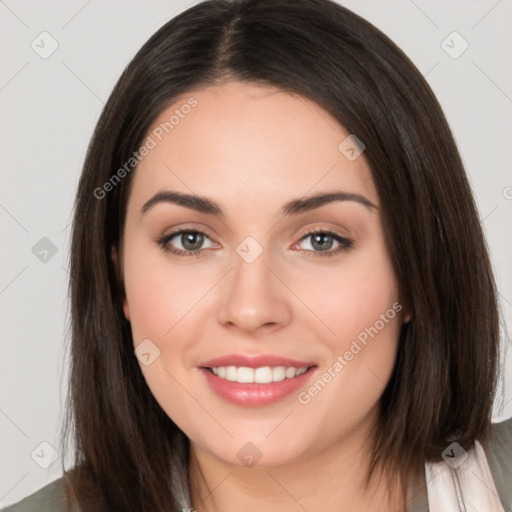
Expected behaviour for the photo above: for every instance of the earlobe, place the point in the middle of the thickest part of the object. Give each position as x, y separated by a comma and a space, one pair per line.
407, 316
126, 309
115, 258
406, 312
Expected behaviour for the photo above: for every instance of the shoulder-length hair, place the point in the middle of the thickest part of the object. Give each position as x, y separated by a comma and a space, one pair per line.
129, 455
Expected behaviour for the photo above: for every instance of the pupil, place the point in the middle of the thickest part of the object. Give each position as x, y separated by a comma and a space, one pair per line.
322, 244
188, 241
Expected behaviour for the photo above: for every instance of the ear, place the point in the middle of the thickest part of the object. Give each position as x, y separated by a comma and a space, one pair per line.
119, 274
407, 315
405, 308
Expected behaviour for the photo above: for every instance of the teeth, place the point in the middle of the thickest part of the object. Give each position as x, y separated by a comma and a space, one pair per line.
263, 375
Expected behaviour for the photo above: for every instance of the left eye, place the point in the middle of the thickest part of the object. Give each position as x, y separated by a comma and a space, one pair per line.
322, 242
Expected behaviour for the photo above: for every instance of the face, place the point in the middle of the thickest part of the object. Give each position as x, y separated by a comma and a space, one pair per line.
310, 287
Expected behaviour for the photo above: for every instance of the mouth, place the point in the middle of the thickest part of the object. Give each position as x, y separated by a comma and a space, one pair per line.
260, 375
256, 385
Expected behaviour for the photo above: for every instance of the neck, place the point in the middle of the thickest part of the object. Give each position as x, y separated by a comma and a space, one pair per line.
332, 481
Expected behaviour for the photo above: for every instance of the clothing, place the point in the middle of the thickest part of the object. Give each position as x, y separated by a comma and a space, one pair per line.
482, 482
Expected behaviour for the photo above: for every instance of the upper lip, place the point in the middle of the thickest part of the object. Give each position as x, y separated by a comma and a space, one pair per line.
254, 361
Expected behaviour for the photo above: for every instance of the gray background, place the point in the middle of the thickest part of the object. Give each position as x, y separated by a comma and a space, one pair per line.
49, 109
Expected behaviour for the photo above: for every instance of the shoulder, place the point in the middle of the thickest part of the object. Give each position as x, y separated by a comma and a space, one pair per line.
498, 450
499, 444
50, 498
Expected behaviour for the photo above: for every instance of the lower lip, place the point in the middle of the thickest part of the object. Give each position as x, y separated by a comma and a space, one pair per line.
253, 394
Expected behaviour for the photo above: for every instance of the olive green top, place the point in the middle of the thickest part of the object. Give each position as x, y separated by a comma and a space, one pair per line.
53, 497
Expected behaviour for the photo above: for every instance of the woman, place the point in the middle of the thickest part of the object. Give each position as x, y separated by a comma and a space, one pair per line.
277, 303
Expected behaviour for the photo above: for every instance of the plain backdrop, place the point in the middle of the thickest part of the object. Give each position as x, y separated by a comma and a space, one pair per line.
49, 107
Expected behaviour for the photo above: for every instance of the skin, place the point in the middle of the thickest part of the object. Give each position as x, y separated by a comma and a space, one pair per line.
251, 149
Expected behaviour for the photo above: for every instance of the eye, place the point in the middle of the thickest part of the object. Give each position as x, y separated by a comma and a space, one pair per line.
323, 240
190, 240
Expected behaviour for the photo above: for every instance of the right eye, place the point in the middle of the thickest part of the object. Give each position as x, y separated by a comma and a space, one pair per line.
190, 240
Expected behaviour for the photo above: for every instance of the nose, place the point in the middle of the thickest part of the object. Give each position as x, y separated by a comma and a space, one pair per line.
254, 297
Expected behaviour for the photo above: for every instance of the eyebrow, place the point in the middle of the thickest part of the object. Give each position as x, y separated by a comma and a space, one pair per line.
294, 207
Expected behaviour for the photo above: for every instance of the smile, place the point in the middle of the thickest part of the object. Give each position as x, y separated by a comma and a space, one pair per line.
245, 388
262, 375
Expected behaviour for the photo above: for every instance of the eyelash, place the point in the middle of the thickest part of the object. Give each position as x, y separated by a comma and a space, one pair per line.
345, 243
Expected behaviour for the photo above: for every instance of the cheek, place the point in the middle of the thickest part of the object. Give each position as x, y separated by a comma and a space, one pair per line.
158, 296
359, 305
353, 297
362, 308
159, 300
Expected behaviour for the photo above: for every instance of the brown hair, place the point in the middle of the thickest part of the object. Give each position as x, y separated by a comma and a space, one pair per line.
129, 454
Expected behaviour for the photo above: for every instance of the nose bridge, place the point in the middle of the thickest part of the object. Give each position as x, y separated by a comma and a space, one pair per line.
254, 296
251, 266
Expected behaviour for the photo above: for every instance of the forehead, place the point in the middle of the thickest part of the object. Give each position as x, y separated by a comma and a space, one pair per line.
239, 143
